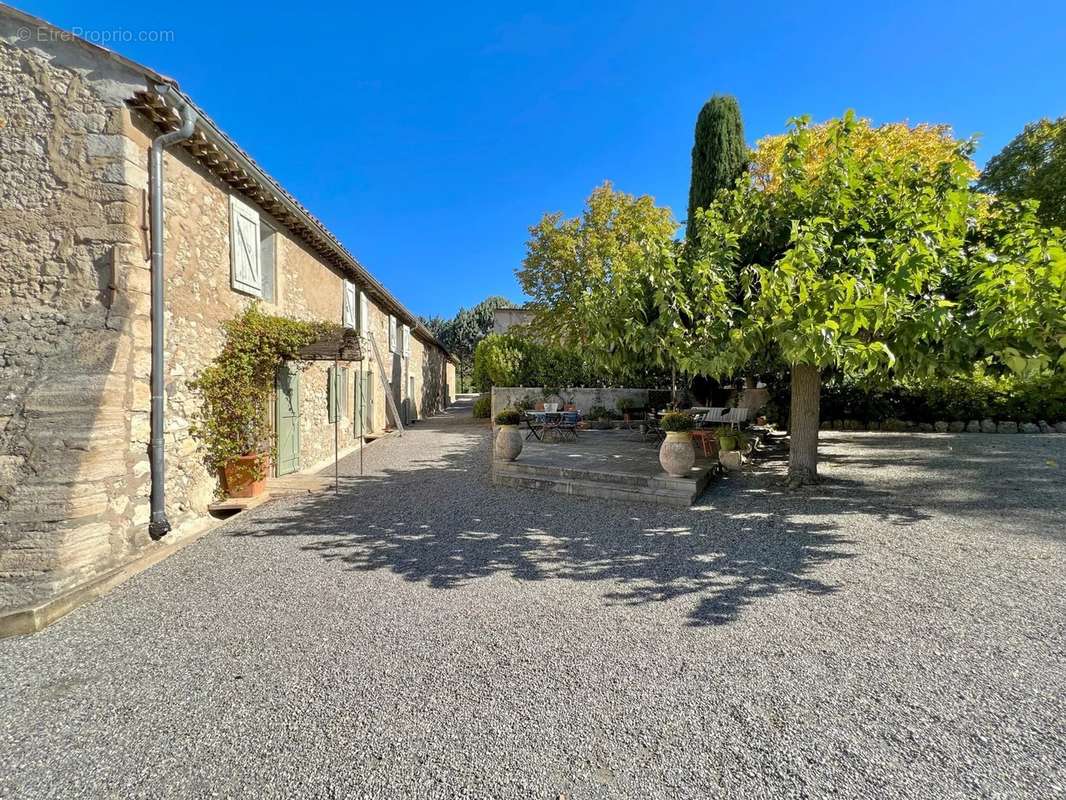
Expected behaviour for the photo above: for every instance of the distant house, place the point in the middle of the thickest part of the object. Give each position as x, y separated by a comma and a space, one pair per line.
506, 318
76, 289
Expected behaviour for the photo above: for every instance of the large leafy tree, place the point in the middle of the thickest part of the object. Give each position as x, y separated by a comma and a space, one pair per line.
874, 256
461, 333
855, 248
606, 282
1033, 167
718, 153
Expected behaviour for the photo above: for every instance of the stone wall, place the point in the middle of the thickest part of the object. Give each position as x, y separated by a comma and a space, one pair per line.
583, 397
503, 319
73, 482
75, 354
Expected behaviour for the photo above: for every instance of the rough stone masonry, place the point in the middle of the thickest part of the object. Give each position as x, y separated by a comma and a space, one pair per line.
75, 352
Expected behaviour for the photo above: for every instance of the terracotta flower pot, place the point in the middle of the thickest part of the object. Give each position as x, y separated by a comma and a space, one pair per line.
676, 454
508, 443
245, 476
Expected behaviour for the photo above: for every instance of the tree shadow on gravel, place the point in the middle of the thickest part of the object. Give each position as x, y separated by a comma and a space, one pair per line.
1014, 480
430, 514
426, 510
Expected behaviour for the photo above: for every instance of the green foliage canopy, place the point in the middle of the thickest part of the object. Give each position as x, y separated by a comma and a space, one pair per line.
891, 262
1033, 167
606, 284
512, 359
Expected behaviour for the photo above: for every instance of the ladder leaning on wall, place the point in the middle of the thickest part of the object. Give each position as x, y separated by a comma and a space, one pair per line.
386, 387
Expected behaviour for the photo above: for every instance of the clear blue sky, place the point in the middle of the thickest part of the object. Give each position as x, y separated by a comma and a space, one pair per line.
429, 137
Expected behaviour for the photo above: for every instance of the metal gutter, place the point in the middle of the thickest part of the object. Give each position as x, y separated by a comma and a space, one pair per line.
159, 525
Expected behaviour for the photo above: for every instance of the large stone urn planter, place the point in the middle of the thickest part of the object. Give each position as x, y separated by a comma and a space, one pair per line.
676, 454
245, 476
508, 442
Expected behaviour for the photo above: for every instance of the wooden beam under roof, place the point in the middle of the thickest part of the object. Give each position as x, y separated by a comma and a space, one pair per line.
215, 159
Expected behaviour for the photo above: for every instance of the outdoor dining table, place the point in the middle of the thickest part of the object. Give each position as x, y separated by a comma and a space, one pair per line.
555, 422
542, 418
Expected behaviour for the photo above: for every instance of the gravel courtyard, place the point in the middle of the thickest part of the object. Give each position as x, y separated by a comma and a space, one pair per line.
896, 632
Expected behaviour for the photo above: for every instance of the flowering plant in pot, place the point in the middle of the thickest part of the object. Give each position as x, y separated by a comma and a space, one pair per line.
234, 390
508, 442
675, 453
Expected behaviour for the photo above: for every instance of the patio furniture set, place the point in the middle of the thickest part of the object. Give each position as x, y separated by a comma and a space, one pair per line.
548, 421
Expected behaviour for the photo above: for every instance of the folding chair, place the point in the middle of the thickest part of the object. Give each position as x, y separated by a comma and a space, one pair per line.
567, 423
534, 427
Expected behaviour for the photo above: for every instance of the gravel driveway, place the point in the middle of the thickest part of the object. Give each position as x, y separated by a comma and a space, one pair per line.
896, 632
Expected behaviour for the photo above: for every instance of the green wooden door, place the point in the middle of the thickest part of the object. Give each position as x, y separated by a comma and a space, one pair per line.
288, 420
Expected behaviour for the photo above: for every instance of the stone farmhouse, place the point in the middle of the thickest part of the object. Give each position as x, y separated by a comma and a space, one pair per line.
91, 269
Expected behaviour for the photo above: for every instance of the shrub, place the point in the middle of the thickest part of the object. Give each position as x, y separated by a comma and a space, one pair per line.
497, 362
625, 405
676, 421
509, 416
598, 412
234, 389
963, 397
483, 407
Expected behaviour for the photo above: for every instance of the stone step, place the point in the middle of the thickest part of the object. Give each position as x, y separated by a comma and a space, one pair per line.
678, 492
538, 470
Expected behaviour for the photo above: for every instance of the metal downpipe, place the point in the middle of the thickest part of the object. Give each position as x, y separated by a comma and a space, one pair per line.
159, 525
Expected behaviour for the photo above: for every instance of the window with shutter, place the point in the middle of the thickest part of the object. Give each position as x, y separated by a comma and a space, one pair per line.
245, 273
392, 333
364, 313
406, 340
267, 261
348, 312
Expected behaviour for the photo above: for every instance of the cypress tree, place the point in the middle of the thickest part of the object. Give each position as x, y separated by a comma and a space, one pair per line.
719, 154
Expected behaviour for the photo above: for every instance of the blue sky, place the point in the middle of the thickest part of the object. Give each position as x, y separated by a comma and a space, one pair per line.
429, 137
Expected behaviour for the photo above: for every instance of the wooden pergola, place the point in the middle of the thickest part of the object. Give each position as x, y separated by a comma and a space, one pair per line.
344, 345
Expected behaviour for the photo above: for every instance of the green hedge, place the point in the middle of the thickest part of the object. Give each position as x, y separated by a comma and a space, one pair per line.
963, 398
483, 407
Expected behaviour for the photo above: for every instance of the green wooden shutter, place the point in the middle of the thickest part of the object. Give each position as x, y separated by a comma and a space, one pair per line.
342, 393
331, 394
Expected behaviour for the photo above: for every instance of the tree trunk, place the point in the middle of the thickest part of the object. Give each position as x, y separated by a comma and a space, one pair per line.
803, 425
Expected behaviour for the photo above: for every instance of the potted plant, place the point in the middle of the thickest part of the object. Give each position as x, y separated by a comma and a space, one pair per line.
245, 475
235, 390
508, 439
676, 454
601, 417
730, 446
727, 440
625, 407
